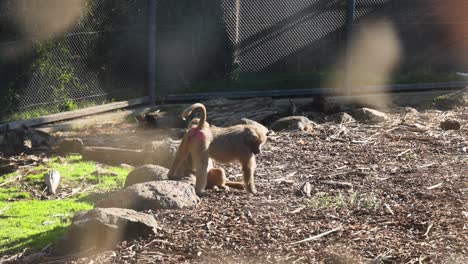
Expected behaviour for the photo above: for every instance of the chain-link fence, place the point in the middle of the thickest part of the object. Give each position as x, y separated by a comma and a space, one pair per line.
238, 45
101, 56
212, 46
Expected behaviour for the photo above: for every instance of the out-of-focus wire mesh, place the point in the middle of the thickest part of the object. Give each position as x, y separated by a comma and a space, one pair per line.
98, 58
215, 46
430, 49
238, 45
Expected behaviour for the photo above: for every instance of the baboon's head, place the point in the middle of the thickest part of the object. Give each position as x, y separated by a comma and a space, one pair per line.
255, 139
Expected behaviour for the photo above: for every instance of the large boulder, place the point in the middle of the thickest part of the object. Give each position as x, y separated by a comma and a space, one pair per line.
146, 173
163, 152
292, 123
104, 228
450, 124
153, 195
368, 115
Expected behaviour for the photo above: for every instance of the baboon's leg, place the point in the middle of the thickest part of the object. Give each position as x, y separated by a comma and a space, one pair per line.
181, 156
248, 169
201, 163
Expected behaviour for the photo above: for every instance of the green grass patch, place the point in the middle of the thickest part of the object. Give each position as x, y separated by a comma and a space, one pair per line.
6, 177
12, 193
34, 224
352, 200
74, 171
25, 222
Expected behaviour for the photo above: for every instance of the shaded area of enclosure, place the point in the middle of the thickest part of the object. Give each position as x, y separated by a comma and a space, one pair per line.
101, 55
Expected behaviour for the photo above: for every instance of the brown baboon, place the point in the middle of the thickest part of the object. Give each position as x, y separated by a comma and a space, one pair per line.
235, 143
217, 178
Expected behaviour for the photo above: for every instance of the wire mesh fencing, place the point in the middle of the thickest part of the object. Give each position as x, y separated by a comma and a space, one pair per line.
98, 58
216, 46
239, 45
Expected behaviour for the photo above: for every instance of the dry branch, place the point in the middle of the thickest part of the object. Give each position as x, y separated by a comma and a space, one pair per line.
318, 236
434, 186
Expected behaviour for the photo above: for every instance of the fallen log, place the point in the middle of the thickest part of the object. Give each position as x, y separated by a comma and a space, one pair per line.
157, 153
116, 156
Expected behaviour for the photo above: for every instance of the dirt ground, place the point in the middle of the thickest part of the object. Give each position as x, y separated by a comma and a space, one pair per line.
395, 192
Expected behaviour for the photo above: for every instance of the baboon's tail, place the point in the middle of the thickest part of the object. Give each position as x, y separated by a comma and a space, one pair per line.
190, 109
236, 185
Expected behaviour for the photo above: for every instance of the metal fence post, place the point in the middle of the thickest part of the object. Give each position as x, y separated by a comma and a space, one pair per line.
350, 11
152, 52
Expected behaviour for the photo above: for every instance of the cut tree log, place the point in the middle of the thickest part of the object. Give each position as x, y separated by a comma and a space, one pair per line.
116, 156
160, 153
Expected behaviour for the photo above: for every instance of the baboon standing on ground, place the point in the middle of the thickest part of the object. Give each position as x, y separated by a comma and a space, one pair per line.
235, 143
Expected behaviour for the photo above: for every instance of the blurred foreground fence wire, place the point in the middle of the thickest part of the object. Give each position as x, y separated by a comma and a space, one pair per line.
101, 52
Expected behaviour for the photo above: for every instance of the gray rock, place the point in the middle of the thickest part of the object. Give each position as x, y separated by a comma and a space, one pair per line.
405, 110
341, 118
450, 124
246, 121
69, 145
52, 179
146, 173
447, 101
163, 154
305, 190
104, 228
368, 115
292, 123
153, 195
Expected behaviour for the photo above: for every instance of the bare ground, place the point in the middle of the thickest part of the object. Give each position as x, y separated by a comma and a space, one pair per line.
395, 192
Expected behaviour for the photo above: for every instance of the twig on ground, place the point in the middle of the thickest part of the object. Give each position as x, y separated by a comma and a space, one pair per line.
4, 209
434, 186
158, 241
297, 210
43, 191
360, 142
12, 179
17, 256
46, 247
318, 236
426, 165
404, 152
389, 209
76, 191
428, 230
